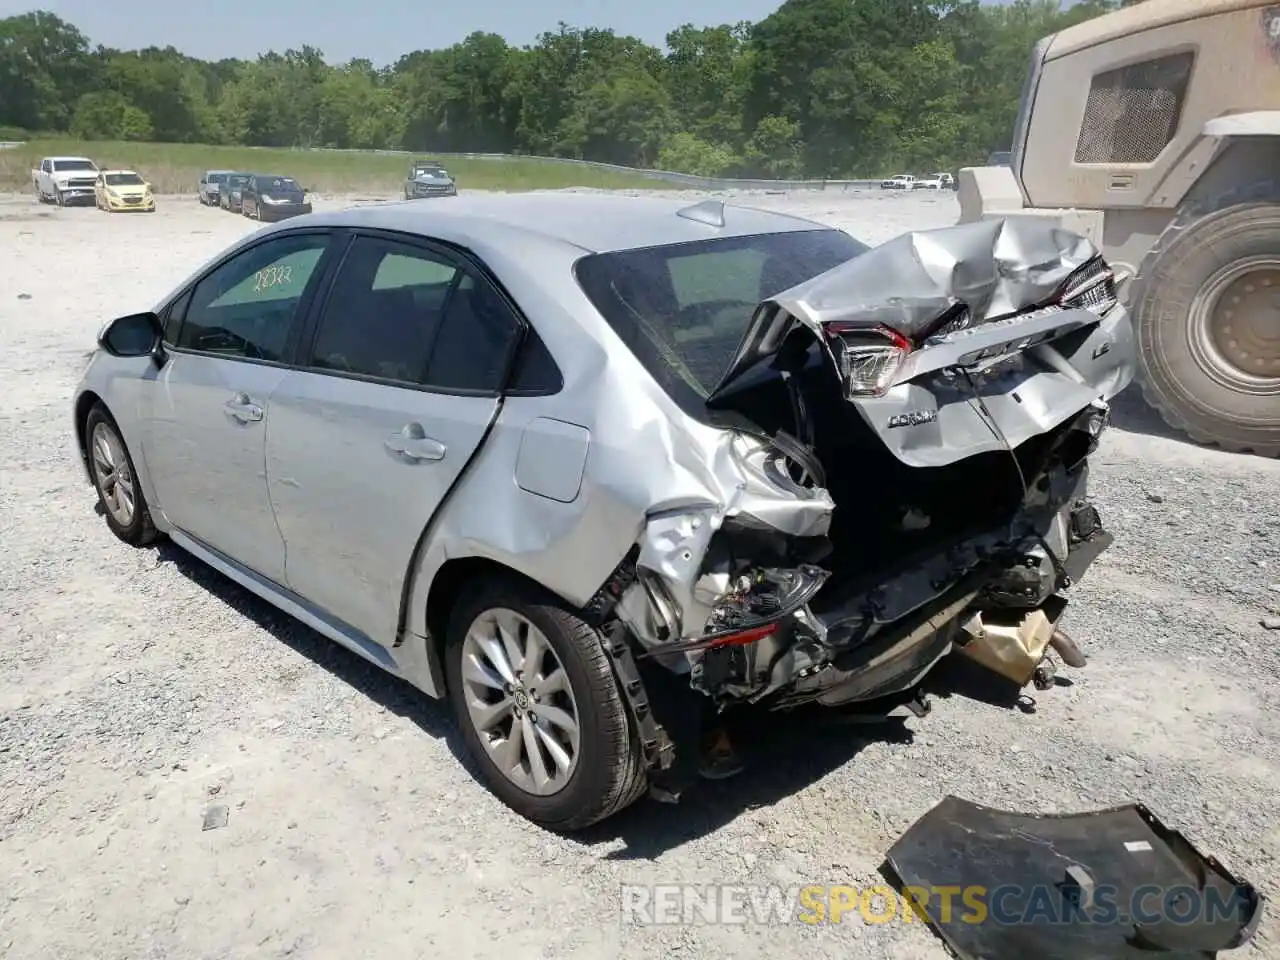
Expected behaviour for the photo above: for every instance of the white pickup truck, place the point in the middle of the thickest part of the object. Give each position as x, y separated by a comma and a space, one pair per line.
64, 180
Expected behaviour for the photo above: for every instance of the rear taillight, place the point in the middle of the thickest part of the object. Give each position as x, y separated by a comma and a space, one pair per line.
1091, 287
868, 359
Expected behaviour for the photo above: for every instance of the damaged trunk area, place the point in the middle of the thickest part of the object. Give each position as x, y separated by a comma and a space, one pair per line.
903, 472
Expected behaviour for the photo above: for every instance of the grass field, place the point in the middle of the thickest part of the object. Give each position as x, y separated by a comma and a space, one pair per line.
176, 167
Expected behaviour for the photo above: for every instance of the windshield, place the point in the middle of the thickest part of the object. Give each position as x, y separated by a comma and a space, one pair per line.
124, 180
684, 308
237, 179
217, 178
429, 171
74, 165
278, 185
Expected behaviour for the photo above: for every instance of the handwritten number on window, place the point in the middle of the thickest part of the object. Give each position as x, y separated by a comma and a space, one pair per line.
273, 276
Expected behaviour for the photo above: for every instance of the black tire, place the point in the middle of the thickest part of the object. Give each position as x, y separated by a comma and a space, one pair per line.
141, 530
1181, 387
610, 773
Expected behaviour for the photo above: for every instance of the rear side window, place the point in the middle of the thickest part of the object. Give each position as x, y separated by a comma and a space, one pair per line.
384, 312
476, 340
411, 315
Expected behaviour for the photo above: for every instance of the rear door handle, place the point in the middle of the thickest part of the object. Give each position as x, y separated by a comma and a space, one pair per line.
413, 443
242, 408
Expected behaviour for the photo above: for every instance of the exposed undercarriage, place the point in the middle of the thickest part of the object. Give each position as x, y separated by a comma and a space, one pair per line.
864, 609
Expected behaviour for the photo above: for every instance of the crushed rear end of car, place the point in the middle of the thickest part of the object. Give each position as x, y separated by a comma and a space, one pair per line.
906, 475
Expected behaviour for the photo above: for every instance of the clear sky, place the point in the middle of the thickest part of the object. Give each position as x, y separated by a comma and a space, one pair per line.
379, 30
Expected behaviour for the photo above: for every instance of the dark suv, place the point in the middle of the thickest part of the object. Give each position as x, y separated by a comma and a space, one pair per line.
271, 197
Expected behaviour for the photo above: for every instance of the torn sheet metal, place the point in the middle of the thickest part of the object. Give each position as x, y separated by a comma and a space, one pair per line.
1006, 329
673, 596
993, 267
1109, 884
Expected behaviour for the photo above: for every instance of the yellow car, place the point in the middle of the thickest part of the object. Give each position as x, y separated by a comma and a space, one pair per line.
122, 190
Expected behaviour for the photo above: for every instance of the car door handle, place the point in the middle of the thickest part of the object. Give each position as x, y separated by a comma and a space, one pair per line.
242, 408
411, 442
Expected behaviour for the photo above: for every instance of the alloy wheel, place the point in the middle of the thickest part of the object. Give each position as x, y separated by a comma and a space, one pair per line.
111, 470
520, 701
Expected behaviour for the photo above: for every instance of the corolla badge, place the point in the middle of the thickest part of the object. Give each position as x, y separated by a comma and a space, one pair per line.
913, 418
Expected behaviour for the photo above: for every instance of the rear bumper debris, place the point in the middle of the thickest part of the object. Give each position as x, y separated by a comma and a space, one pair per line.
1113, 883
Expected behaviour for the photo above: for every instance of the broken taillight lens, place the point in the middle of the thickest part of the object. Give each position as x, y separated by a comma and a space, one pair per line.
1091, 287
868, 359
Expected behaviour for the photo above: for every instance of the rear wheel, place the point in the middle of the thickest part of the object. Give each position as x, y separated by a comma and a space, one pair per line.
119, 493
534, 693
1206, 305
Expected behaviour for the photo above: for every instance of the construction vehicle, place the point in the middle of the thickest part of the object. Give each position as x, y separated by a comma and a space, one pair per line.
1155, 132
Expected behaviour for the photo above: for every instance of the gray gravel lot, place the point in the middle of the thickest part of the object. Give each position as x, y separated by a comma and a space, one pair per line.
139, 690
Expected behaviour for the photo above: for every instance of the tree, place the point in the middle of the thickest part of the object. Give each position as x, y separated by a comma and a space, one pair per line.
824, 88
107, 115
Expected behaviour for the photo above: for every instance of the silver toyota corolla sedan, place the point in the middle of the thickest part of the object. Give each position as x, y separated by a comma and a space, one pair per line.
554, 457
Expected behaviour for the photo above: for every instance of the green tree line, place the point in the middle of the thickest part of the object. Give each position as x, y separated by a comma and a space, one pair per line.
820, 88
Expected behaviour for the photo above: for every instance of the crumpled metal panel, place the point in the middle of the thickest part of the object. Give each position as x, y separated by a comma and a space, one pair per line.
996, 267
656, 478
940, 408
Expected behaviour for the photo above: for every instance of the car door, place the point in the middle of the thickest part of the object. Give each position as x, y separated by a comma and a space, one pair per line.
211, 406
394, 393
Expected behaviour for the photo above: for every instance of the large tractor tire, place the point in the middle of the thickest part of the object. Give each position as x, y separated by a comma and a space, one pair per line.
1206, 308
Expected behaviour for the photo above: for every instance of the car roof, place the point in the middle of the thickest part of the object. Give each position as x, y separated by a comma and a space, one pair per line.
118, 170
69, 157
594, 222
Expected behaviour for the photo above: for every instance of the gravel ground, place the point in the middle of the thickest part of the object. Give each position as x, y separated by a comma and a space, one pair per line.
139, 691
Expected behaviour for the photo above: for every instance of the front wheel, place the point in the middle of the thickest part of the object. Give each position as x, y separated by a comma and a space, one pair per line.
541, 713
116, 480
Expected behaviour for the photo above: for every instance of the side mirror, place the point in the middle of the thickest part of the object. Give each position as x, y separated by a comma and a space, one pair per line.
135, 335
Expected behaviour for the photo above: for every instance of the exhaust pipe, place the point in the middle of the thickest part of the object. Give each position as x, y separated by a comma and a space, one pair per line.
1067, 649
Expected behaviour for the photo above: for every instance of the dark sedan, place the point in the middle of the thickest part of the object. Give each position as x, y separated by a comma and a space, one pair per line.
271, 197
230, 191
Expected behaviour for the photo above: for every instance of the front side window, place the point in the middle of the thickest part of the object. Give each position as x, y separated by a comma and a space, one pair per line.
250, 306
684, 308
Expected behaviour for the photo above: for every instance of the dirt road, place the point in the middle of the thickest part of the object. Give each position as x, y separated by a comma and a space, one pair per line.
140, 691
